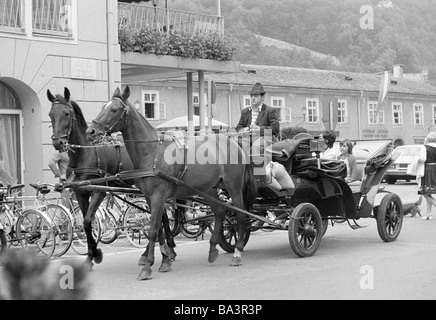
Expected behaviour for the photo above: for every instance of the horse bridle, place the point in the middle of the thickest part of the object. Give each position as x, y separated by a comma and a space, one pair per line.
108, 129
70, 124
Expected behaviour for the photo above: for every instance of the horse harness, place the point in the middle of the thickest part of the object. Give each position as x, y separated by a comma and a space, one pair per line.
73, 172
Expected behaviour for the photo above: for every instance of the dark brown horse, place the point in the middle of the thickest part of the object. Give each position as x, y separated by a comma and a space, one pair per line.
88, 162
207, 162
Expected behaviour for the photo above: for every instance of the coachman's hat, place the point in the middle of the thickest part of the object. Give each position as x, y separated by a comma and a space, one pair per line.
257, 89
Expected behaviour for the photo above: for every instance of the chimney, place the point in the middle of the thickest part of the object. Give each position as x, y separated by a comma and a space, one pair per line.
397, 70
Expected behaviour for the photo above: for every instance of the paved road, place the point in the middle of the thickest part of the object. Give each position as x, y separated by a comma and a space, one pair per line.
350, 264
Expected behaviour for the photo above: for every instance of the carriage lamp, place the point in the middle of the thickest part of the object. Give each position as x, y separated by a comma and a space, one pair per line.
317, 146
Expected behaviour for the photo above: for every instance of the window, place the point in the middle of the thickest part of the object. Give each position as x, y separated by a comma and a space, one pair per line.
11, 137
279, 104
372, 110
10, 15
342, 111
434, 113
418, 114
397, 113
196, 102
246, 101
52, 17
312, 106
150, 101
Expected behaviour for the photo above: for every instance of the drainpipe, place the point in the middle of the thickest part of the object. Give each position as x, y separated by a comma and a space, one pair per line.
110, 46
229, 105
359, 115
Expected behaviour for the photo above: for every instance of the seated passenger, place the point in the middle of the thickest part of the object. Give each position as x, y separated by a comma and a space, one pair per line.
346, 149
329, 137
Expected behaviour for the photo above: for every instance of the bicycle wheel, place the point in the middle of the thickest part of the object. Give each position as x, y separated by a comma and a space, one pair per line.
64, 228
80, 245
36, 232
5, 230
194, 229
137, 224
3, 242
108, 226
172, 218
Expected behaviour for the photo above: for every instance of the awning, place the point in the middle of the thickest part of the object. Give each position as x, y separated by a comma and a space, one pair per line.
182, 123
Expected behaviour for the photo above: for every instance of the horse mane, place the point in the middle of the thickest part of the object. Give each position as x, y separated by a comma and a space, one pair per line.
79, 114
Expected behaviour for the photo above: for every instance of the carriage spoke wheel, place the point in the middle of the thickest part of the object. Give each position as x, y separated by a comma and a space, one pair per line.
305, 230
390, 217
229, 234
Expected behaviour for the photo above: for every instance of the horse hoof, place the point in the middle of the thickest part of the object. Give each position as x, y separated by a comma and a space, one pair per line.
87, 265
236, 262
145, 273
213, 255
142, 261
165, 267
99, 257
172, 256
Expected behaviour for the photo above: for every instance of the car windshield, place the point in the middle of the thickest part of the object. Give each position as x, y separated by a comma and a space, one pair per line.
408, 151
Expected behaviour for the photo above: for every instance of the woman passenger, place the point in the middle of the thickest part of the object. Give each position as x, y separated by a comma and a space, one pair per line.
346, 149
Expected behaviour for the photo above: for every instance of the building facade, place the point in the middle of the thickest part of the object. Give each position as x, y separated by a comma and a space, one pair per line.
50, 44
316, 100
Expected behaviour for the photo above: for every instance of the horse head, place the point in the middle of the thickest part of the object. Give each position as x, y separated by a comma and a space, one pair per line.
64, 115
112, 117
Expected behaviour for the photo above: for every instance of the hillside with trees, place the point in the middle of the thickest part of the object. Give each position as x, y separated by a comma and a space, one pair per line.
404, 31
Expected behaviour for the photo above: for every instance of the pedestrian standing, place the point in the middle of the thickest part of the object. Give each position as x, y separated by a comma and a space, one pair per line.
428, 181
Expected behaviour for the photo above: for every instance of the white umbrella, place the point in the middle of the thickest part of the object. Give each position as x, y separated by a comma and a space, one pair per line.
182, 123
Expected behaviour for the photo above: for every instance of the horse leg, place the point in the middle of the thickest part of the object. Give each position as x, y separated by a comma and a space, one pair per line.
94, 254
239, 246
165, 251
169, 237
166, 248
156, 208
219, 219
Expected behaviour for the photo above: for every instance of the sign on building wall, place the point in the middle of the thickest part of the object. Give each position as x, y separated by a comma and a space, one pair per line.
83, 69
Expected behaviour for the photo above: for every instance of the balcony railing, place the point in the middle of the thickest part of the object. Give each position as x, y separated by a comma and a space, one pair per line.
49, 17
139, 16
11, 15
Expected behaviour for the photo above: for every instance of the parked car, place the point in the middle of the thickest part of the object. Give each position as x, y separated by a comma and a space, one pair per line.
398, 170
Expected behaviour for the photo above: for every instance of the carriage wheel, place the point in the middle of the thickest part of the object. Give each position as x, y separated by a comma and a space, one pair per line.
229, 234
305, 230
390, 217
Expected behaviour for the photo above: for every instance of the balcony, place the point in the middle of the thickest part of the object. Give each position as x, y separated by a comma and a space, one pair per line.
139, 16
152, 48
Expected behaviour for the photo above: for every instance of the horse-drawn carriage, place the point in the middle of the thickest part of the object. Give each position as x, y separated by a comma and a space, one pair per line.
320, 194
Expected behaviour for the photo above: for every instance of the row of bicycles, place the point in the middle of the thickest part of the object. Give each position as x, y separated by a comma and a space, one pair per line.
50, 225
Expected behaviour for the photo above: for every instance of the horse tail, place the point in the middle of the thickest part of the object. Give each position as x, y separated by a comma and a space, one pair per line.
249, 190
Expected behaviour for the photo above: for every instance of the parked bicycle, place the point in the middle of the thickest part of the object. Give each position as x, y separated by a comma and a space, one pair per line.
30, 229
60, 215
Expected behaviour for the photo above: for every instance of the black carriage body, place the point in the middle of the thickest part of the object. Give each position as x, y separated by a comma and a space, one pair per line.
321, 183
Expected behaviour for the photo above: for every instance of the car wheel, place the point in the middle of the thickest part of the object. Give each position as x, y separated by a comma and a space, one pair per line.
390, 180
